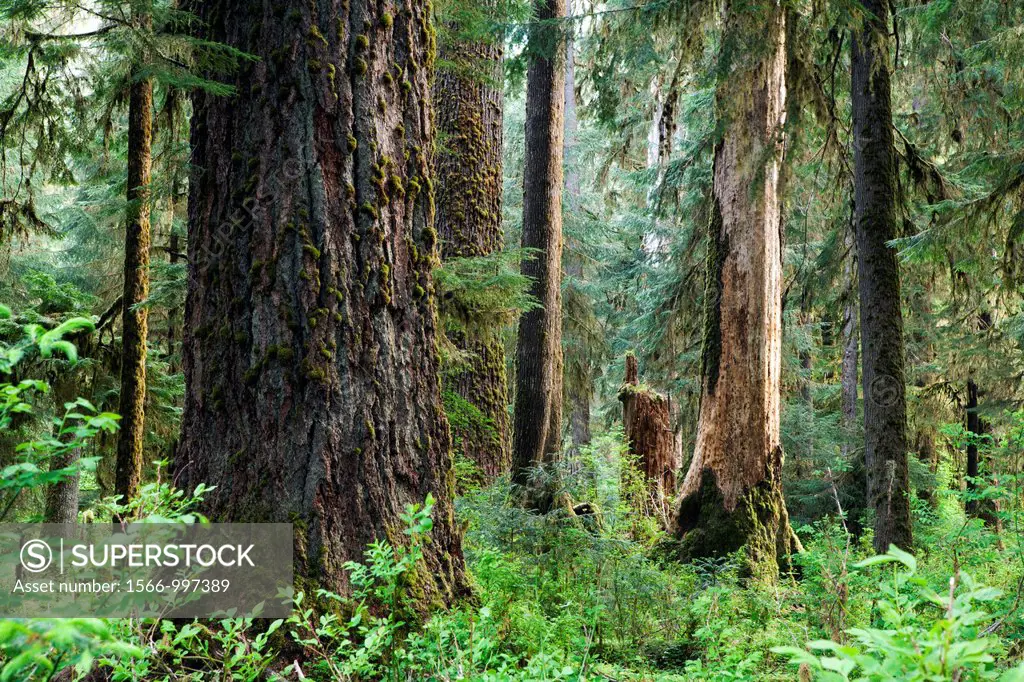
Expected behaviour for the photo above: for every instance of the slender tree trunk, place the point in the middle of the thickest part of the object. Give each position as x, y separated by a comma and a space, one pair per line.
62, 497
469, 107
136, 286
974, 427
645, 416
312, 392
173, 106
885, 405
537, 430
732, 493
848, 382
581, 393
851, 343
806, 368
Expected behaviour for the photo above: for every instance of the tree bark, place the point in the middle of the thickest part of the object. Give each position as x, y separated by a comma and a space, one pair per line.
987, 510
645, 417
974, 427
580, 395
851, 341
537, 427
469, 111
136, 286
732, 493
62, 497
312, 392
885, 405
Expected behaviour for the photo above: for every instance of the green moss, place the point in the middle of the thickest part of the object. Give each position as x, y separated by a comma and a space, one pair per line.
353, 144
312, 251
756, 525
362, 42
396, 185
315, 34
361, 66
718, 250
387, 20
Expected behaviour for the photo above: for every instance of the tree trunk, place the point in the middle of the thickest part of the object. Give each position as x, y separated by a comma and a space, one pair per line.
651, 442
974, 428
580, 395
469, 118
851, 342
537, 429
136, 286
984, 509
881, 328
732, 493
310, 357
62, 497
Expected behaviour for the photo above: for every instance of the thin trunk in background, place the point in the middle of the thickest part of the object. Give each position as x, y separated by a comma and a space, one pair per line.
580, 392
134, 323
537, 426
881, 320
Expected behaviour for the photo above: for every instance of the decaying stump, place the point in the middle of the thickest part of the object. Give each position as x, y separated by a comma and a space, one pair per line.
651, 445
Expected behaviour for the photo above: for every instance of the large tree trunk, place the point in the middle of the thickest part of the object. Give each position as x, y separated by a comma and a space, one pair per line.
469, 105
310, 357
881, 328
136, 287
645, 417
537, 430
732, 493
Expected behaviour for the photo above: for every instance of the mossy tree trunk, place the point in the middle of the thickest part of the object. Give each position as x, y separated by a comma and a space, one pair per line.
881, 320
732, 493
537, 425
134, 321
645, 417
469, 107
312, 392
